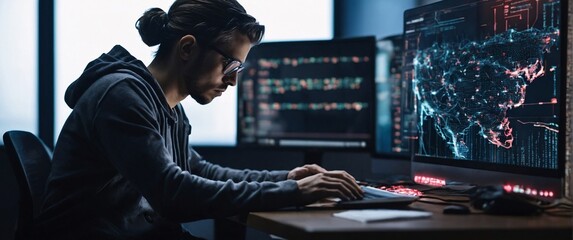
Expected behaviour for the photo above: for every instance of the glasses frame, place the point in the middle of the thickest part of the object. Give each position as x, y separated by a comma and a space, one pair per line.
228, 61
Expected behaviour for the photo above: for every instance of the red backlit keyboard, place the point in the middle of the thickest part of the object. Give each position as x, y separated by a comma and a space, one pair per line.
402, 190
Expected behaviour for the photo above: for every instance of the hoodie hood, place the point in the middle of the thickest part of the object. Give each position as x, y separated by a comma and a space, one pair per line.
117, 58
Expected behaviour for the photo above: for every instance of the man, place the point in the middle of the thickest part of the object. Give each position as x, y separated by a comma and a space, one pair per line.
122, 166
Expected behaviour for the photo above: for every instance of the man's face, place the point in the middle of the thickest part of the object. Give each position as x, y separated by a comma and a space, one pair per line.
206, 80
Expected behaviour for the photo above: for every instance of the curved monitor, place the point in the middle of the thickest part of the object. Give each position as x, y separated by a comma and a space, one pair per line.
488, 79
312, 96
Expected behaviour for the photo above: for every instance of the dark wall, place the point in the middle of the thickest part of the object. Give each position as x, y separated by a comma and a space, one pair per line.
370, 17
380, 18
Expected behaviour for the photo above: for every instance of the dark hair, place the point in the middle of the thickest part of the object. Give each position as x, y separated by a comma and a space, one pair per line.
210, 21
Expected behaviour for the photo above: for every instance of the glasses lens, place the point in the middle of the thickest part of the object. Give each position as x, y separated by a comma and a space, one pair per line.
233, 66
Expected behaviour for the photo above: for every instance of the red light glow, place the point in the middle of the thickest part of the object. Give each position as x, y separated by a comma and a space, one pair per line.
528, 190
403, 190
507, 188
438, 182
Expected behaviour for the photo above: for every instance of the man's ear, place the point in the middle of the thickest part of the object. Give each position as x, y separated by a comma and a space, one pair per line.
186, 46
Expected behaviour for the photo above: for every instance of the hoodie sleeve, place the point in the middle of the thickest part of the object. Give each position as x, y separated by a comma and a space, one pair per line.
126, 131
209, 170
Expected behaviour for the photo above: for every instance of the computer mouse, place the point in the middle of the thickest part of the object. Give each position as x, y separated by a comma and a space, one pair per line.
456, 209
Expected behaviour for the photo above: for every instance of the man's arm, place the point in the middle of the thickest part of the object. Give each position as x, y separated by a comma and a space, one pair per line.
205, 169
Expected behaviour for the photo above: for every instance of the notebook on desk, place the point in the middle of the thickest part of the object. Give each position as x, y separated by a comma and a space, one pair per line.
373, 198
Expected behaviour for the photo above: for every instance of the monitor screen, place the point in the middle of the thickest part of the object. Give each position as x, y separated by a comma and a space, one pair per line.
488, 80
393, 135
310, 95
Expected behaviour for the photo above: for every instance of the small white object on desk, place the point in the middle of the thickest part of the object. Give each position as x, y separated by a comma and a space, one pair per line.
374, 215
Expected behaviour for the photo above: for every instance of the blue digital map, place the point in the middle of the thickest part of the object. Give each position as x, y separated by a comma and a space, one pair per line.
463, 85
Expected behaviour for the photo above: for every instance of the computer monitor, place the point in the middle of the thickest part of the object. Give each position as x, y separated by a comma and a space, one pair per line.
393, 136
488, 78
312, 96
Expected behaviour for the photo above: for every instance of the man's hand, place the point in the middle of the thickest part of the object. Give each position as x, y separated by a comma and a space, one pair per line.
338, 184
305, 171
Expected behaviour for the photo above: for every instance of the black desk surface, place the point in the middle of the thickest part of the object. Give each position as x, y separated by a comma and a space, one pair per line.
320, 224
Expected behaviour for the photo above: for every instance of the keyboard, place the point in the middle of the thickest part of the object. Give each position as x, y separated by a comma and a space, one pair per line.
378, 198
373, 198
375, 193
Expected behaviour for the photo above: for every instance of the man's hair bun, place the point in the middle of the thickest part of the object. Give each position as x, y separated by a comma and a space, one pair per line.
151, 26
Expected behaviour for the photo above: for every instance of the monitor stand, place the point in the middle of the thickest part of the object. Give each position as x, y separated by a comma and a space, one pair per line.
313, 157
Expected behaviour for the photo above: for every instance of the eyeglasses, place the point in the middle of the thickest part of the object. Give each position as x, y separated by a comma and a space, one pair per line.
232, 65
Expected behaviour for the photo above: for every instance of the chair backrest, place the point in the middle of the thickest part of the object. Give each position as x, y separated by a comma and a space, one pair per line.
30, 159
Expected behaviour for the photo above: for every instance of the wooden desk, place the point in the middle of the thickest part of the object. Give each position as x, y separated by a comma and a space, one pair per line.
320, 224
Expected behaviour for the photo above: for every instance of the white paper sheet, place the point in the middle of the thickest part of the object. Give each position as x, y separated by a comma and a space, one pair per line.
374, 215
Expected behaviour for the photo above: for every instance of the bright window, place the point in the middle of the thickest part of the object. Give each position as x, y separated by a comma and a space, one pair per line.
18, 66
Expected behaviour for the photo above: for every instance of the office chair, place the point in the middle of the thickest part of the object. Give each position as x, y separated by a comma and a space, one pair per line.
30, 159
